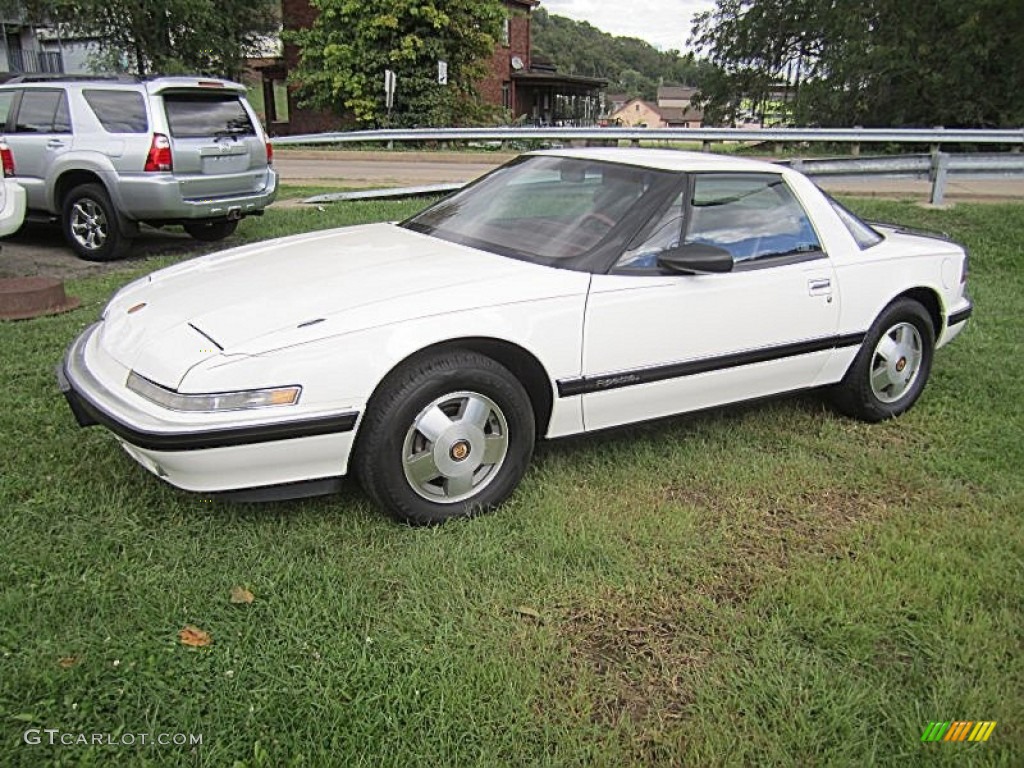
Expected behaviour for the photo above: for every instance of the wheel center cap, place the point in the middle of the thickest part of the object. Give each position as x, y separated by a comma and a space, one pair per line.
901, 365
460, 450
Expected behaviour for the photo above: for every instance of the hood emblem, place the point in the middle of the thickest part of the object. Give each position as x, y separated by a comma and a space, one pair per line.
136, 308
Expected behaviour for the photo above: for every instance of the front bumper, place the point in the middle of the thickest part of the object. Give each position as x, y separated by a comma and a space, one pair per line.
216, 456
956, 322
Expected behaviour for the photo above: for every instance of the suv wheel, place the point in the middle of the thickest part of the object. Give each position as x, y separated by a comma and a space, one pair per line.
211, 230
91, 226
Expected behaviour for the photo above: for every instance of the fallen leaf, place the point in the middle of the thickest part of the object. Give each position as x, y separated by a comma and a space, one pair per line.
241, 596
67, 662
195, 637
523, 610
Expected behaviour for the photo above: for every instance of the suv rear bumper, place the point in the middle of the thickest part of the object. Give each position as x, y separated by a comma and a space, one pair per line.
158, 198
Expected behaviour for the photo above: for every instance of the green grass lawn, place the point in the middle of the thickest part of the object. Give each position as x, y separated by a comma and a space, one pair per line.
774, 585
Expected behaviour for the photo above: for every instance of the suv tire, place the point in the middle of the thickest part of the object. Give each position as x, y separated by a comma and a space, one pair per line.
211, 230
91, 224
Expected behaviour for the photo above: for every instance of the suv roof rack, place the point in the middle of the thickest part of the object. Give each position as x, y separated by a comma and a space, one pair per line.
56, 77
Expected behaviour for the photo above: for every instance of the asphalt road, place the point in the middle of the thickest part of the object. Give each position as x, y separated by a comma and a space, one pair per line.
40, 250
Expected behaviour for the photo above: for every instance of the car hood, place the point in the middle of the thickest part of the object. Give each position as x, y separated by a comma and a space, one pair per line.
265, 296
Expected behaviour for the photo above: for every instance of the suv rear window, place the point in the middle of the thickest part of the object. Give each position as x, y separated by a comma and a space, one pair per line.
197, 115
118, 111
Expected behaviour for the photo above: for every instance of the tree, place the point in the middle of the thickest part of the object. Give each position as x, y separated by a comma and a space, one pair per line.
207, 37
631, 66
868, 62
352, 42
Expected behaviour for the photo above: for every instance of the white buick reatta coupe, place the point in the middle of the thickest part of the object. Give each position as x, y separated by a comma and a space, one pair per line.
566, 292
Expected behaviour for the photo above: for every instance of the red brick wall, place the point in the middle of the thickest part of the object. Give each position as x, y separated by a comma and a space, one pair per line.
501, 61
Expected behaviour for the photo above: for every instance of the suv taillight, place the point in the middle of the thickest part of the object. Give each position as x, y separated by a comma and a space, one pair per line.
270, 152
7, 159
159, 157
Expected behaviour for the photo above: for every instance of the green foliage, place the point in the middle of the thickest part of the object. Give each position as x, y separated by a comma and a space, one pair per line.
207, 37
882, 63
352, 43
632, 66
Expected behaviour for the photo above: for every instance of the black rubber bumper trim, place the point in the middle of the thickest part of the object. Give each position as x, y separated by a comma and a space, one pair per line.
587, 384
88, 414
304, 489
958, 317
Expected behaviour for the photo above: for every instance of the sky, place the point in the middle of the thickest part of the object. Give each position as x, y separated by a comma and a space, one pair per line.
663, 23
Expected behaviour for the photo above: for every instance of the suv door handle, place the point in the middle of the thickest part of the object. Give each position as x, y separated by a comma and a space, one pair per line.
820, 286
54, 144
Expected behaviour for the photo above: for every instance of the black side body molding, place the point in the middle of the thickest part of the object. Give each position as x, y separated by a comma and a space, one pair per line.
586, 384
959, 317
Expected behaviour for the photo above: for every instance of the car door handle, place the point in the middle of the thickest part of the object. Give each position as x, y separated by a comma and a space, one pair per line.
54, 144
819, 286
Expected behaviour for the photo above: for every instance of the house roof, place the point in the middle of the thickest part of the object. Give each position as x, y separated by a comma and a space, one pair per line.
558, 79
675, 92
679, 115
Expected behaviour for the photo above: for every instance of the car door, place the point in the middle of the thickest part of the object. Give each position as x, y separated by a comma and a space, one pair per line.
38, 133
657, 343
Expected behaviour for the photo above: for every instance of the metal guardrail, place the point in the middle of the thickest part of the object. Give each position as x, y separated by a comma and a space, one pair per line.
855, 136
937, 167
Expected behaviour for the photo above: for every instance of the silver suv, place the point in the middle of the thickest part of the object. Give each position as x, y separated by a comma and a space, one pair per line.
104, 154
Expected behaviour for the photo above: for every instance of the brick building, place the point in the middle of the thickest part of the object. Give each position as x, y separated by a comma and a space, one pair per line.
527, 87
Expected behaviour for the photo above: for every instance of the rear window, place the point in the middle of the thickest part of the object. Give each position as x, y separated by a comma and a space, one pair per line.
118, 111
865, 235
197, 115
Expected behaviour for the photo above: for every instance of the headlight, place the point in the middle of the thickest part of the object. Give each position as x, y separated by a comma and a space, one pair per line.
217, 401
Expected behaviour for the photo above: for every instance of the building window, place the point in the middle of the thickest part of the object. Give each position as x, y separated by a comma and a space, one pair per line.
506, 95
506, 32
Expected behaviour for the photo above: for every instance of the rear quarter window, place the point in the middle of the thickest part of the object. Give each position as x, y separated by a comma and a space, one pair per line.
199, 115
6, 99
43, 111
118, 111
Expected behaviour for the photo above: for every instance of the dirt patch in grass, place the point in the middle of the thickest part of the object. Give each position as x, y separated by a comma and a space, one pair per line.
635, 651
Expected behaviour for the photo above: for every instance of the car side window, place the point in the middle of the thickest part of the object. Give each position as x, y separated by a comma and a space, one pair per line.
665, 234
43, 111
6, 99
118, 111
755, 217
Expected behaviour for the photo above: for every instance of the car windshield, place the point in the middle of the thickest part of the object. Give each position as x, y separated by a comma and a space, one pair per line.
544, 208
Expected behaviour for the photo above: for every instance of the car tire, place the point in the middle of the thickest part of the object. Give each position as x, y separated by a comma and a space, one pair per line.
211, 230
91, 225
892, 367
446, 435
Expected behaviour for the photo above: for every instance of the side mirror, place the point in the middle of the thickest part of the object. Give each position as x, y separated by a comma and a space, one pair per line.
696, 259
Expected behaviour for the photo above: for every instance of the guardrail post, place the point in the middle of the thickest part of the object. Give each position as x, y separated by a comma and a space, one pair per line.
855, 150
705, 146
940, 163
